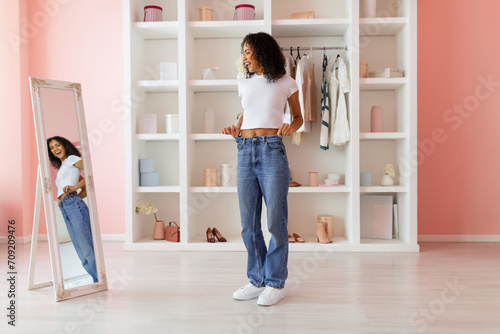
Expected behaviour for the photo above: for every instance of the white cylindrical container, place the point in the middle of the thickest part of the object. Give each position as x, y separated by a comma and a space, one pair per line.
209, 121
228, 175
153, 14
172, 123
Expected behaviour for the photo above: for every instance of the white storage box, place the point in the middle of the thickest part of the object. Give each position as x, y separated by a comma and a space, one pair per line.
376, 216
387, 73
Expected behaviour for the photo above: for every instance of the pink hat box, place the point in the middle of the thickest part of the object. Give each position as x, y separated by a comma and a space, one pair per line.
244, 12
153, 14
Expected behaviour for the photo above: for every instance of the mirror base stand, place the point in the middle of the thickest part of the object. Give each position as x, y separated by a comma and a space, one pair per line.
34, 236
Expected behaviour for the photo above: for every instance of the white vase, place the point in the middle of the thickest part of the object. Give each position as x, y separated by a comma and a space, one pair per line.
369, 7
387, 180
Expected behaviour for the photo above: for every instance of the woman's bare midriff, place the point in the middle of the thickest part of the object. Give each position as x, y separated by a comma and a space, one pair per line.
258, 132
64, 195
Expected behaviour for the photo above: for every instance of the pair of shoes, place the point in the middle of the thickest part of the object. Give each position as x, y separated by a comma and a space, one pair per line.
270, 296
210, 235
247, 292
322, 233
211, 232
295, 237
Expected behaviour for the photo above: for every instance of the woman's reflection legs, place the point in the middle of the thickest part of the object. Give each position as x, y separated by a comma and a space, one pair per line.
76, 216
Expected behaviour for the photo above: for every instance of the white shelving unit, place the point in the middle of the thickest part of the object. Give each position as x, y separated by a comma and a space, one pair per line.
181, 158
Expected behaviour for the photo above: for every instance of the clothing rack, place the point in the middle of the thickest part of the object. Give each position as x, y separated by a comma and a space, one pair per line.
314, 48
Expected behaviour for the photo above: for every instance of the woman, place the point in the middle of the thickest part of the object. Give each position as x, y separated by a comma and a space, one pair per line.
263, 166
64, 156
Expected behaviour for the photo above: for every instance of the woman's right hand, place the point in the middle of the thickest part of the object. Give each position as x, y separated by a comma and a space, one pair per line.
231, 130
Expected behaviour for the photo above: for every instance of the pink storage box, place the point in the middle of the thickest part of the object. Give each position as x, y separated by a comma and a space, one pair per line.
244, 12
153, 14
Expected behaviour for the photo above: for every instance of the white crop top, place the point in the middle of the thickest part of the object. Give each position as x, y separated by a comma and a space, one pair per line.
68, 175
263, 102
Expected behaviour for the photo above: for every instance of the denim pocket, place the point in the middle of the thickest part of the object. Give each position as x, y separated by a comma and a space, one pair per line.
275, 145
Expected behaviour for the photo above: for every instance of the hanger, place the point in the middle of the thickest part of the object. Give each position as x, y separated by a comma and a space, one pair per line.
325, 59
298, 54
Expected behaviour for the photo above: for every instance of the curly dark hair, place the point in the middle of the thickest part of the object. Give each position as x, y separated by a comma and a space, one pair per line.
68, 147
267, 52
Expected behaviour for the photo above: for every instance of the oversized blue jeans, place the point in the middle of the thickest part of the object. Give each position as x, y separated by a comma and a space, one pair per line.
263, 172
77, 219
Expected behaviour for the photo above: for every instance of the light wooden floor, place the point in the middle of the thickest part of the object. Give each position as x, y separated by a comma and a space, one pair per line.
446, 288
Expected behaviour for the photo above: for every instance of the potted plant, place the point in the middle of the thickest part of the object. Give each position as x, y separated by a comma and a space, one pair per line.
148, 209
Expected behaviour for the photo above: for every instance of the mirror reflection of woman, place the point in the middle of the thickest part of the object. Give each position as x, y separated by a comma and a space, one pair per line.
66, 158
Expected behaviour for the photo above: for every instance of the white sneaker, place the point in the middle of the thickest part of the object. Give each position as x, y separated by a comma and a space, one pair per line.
270, 296
247, 292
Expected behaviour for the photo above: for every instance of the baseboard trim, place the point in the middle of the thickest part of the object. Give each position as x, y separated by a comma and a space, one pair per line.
43, 237
459, 238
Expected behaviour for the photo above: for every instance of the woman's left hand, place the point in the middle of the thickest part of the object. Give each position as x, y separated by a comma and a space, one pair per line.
285, 130
69, 189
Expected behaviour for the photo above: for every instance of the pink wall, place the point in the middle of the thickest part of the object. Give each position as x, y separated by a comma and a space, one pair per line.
16, 123
459, 179
71, 41
11, 177
81, 42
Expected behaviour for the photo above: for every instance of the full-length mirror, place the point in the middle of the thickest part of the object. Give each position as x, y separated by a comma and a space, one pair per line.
68, 188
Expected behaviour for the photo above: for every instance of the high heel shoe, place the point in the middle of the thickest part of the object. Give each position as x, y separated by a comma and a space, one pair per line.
298, 238
322, 233
219, 236
210, 235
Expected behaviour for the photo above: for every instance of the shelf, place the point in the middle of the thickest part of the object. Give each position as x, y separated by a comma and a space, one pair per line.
213, 85
381, 26
224, 29
158, 86
308, 189
310, 27
383, 189
159, 189
234, 243
381, 83
157, 30
301, 189
382, 135
218, 189
157, 136
210, 137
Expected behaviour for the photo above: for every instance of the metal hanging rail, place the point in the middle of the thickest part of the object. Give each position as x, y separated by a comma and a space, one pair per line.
314, 48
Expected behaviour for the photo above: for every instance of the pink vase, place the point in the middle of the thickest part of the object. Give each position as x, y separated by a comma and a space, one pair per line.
159, 230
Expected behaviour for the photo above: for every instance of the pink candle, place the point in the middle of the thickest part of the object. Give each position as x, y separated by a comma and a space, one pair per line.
376, 119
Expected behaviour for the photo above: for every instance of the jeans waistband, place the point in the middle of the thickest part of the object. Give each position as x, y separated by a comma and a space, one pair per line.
68, 196
263, 139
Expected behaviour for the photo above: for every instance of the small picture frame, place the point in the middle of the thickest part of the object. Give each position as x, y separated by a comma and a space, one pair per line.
147, 123
168, 71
